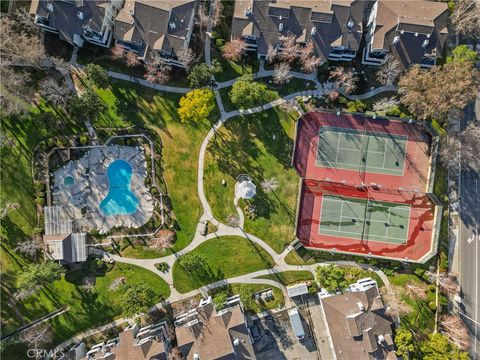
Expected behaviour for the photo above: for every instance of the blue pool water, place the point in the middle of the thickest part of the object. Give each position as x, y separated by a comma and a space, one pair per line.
68, 181
120, 199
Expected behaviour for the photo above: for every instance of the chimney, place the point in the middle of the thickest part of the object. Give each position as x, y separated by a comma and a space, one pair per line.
360, 306
314, 31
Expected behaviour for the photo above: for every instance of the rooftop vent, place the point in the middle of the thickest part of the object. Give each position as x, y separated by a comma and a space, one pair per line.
80, 15
236, 342
314, 31
381, 339
172, 25
396, 39
416, 34
131, 11
425, 43
280, 27
402, 31
196, 356
247, 12
360, 306
350, 24
50, 6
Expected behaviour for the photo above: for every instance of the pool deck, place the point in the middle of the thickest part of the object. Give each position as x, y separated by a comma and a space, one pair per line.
81, 200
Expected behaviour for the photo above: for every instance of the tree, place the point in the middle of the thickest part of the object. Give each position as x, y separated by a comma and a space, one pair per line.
455, 330
187, 58
18, 47
404, 342
54, 92
192, 262
385, 104
310, 64
246, 296
268, 185
201, 74
290, 49
137, 299
432, 94
345, 80
158, 71
131, 59
466, 18
437, 347
86, 107
118, 52
37, 336
234, 49
220, 299
35, 275
389, 71
26, 22
272, 54
246, 93
97, 75
163, 240
196, 105
331, 278
462, 53
217, 13
462, 148
281, 73
202, 17
28, 248
13, 97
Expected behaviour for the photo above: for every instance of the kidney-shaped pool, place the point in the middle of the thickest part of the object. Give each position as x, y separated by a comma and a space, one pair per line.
120, 199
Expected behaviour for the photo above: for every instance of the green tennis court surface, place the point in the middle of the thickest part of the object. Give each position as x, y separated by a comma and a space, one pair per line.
364, 219
357, 150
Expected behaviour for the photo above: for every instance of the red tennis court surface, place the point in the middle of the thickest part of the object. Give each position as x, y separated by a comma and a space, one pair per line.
408, 187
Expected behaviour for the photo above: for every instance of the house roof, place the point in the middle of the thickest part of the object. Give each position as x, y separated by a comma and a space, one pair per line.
213, 336
129, 348
413, 22
66, 247
155, 24
355, 321
337, 22
70, 17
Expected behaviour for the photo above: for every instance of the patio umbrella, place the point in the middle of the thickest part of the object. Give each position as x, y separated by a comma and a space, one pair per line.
245, 189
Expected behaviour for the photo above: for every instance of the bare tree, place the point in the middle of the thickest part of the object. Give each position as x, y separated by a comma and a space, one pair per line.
345, 79
234, 49
26, 21
37, 336
13, 97
306, 51
269, 185
449, 284
310, 64
28, 248
272, 54
89, 286
462, 148
416, 292
389, 71
333, 95
131, 59
187, 58
289, 105
163, 240
202, 17
217, 13
18, 47
281, 73
466, 17
54, 92
233, 220
290, 49
395, 305
118, 52
158, 71
385, 104
23, 294
454, 328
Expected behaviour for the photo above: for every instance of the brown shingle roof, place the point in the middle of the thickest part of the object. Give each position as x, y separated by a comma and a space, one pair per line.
130, 349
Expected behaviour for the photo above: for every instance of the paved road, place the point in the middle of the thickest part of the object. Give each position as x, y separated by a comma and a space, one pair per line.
470, 245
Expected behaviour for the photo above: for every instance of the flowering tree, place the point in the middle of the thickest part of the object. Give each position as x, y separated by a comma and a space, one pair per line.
281, 73
158, 71
290, 49
187, 58
131, 59
344, 79
272, 54
234, 49
389, 71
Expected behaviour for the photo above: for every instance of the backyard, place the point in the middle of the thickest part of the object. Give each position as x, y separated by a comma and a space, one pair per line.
259, 145
225, 257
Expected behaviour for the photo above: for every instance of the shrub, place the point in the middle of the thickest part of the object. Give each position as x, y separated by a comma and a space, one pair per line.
419, 272
83, 140
356, 106
219, 43
432, 305
163, 267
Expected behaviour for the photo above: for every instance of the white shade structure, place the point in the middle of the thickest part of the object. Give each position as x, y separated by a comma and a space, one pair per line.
245, 189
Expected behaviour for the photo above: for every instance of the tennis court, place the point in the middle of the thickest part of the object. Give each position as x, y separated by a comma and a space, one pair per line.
364, 219
361, 150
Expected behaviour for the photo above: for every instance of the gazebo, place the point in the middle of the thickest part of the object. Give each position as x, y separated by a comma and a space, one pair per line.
245, 188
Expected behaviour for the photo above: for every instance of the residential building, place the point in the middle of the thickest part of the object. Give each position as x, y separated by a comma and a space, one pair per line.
414, 32
207, 334
62, 243
357, 325
153, 28
135, 343
334, 27
77, 21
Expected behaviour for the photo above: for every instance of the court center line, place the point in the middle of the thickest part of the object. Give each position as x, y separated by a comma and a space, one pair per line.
338, 146
340, 222
388, 222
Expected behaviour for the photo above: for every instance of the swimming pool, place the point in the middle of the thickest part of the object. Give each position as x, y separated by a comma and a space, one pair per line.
68, 181
120, 199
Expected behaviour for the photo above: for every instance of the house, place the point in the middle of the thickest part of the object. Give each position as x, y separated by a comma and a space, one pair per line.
207, 334
77, 21
62, 243
153, 28
134, 343
357, 325
414, 32
334, 27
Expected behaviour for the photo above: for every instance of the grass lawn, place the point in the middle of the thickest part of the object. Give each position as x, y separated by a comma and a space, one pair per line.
289, 277
226, 257
134, 105
259, 145
232, 69
256, 307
